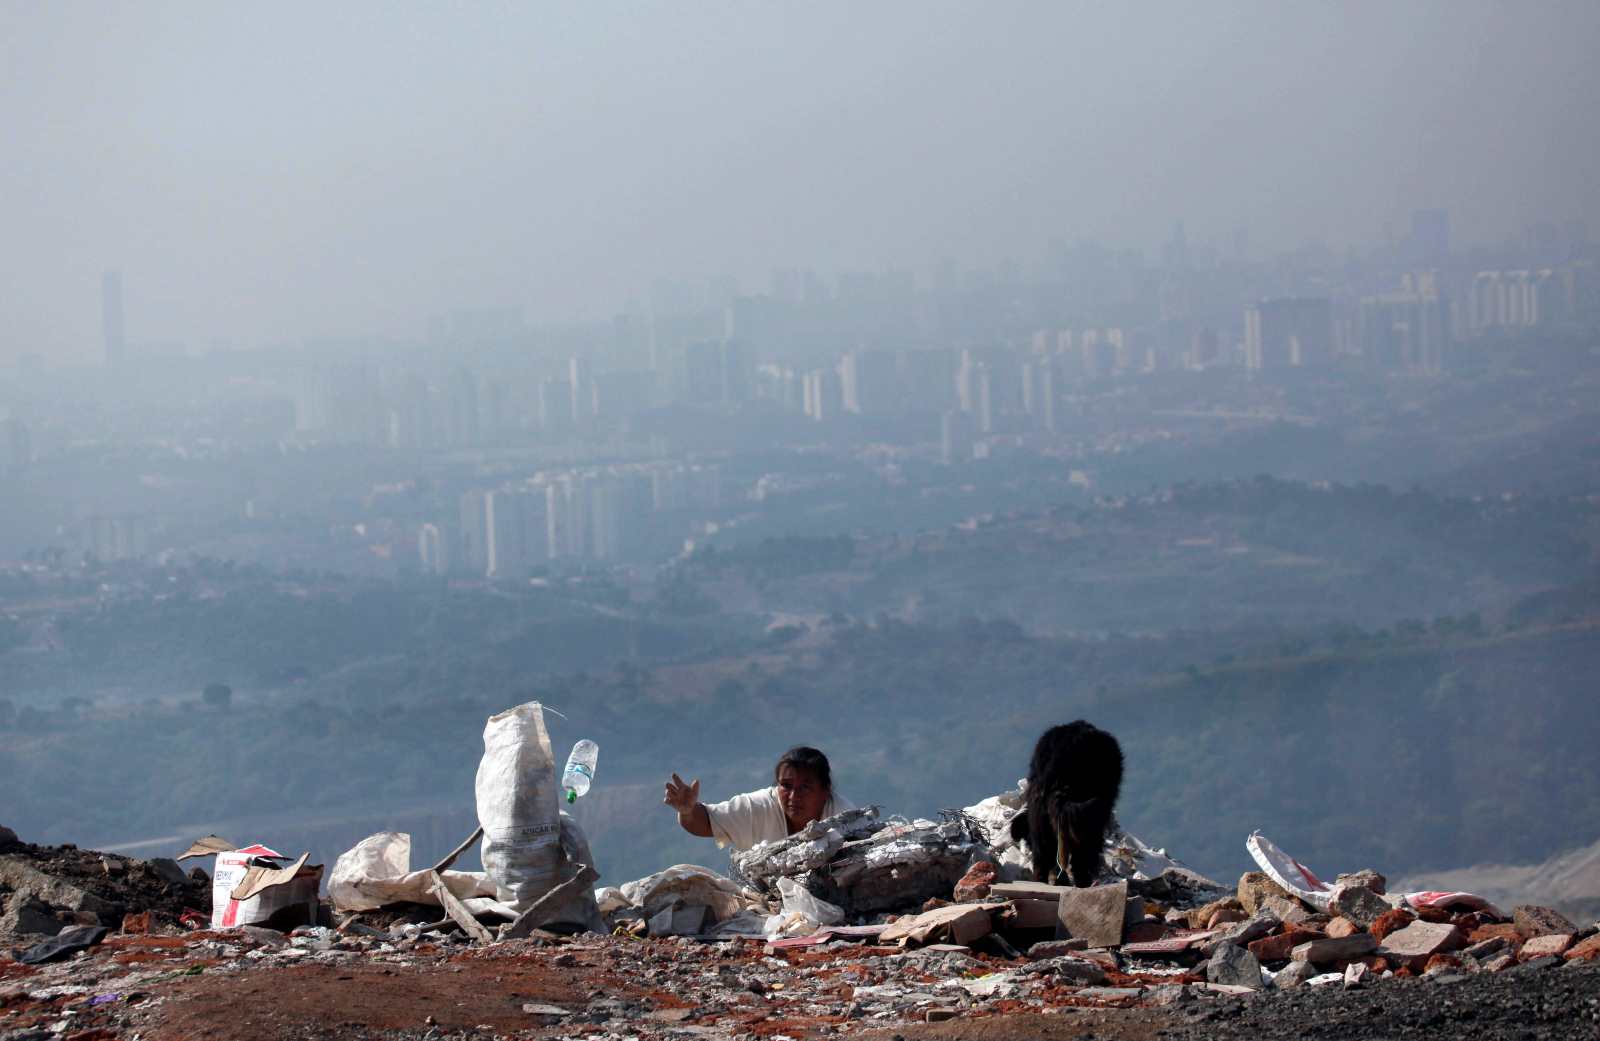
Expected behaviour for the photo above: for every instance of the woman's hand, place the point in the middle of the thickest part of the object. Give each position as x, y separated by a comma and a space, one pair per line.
680, 796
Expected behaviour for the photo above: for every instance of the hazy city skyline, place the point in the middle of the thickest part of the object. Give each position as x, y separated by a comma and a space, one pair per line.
305, 173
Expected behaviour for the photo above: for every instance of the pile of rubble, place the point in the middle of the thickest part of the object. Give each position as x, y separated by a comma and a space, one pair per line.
47, 889
808, 940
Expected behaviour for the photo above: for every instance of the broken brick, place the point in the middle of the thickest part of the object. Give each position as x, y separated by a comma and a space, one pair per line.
1545, 946
1281, 946
1200, 917
1389, 921
1503, 930
1342, 927
974, 885
1440, 963
1585, 950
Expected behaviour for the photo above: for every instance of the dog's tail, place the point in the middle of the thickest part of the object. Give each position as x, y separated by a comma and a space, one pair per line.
1081, 830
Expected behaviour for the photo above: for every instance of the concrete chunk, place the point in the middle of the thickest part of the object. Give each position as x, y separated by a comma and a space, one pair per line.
1360, 905
1334, 949
1095, 915
1546, 946
1233, 965
1421, 939
1295, 974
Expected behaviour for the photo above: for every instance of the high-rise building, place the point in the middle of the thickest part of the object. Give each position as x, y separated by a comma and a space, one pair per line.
605, 518
474, 531
433, 553
716, 372
822, 394
1517, 299
1039, 391
581, 385
1408, 329
983, 398
111, 317
955, 437
1290, 331
867, 382
554, 402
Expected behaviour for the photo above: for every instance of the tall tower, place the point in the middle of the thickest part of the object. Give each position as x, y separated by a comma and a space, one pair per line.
111, 316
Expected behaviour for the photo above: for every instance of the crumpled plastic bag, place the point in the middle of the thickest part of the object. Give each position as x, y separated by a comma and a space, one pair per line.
686, 885
1289, 873
798, 900
376, 872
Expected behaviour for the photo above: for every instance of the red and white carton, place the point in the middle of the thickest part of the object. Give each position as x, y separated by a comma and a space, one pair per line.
251, 884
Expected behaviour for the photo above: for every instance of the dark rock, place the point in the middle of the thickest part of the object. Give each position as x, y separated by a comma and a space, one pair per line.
1361, 905
1235, 966
1365, 877
1533, 920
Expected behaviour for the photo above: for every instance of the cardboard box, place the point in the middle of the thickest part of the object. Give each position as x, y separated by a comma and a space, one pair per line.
252, 884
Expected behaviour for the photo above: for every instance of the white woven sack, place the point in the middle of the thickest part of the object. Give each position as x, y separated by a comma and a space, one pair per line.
518, 806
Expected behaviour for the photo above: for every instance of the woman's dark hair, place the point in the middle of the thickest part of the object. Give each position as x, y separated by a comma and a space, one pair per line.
813, 762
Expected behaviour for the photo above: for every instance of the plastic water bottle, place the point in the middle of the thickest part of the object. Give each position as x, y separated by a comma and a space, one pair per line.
579, 773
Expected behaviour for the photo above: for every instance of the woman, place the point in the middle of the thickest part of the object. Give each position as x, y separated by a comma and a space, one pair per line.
802, 792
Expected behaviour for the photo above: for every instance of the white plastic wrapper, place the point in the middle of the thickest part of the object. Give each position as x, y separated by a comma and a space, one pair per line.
798, 900
1289, 872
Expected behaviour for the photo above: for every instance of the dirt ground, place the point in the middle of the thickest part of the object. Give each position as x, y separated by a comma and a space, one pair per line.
484, 994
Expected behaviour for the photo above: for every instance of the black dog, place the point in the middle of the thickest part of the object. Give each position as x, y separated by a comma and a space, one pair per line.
1073, 781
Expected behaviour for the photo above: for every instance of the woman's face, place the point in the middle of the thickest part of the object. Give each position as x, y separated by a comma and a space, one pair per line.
801, 795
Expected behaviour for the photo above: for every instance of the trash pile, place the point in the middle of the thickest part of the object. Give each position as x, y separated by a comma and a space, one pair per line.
858, 919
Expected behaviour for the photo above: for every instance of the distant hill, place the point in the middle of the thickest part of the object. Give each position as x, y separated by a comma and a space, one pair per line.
1569, 882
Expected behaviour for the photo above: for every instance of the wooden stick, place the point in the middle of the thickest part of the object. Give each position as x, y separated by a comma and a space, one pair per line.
539, 911
451, 858
457, 911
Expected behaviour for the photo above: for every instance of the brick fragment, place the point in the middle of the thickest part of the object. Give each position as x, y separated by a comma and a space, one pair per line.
1281, 946
1499, 963
1226, 916
1389, 921
974, 885
1438, 963
1503, 930
1339, 928
1200, 917
1585, 950
1545, 946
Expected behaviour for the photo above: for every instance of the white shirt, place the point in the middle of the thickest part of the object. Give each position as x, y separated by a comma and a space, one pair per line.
753, 817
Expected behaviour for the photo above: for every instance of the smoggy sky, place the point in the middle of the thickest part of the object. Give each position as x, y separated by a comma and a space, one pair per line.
273, 171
